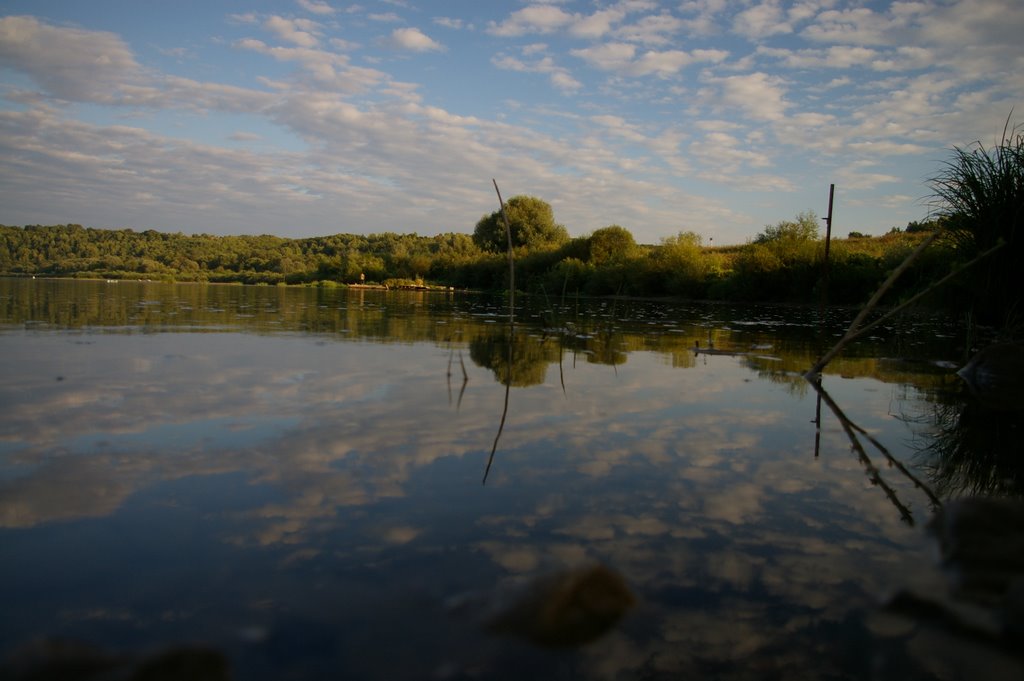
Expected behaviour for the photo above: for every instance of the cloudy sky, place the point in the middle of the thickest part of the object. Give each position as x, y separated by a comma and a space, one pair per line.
309, 117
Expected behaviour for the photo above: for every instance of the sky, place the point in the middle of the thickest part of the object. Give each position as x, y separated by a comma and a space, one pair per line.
303, 118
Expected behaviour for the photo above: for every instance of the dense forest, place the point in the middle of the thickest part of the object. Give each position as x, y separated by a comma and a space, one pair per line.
783, 263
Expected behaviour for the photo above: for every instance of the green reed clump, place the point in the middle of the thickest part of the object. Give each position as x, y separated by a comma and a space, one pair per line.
980, 201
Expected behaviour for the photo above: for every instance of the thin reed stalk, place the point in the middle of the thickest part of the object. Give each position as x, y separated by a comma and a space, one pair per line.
511, 332
511, 259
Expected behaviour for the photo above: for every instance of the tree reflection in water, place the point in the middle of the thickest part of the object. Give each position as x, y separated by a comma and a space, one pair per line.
520, 362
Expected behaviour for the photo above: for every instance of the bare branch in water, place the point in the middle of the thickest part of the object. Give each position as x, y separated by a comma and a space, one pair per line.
936, 504
854, 329
851, 429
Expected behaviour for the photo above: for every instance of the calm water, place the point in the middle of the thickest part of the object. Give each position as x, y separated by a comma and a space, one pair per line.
295, 477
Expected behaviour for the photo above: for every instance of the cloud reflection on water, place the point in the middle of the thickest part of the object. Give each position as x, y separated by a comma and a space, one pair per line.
697, 484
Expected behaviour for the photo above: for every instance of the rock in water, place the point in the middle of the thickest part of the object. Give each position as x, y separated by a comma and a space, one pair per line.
996, 376
565, 609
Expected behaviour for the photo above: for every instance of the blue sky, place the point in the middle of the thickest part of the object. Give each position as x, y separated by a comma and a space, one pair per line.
310, 117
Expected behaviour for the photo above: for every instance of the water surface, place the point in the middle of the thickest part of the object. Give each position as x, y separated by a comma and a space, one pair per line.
296, 477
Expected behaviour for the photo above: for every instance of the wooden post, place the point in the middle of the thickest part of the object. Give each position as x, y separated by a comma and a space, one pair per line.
824, 268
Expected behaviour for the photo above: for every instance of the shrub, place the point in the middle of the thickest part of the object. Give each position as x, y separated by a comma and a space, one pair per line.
804, 228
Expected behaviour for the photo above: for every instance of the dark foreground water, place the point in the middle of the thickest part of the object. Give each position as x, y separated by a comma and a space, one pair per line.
330, 484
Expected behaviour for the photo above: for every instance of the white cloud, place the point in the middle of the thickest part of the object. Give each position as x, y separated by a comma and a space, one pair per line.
242, 136
68, 63
316, 6
727, 153
836, 57
532, 19
760, 95
451, 22
618, 125
705, 14
244, 18
565, 82
607, 56
660, 63
547, 18
905, 59
857, 26
328, 69
415, 40
857, 175
887, 148
762, 21
623, 58
299, 32
560, 77
654, 29
597, 24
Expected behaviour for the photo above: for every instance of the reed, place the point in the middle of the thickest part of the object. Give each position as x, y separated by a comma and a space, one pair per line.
511, 332
979, 199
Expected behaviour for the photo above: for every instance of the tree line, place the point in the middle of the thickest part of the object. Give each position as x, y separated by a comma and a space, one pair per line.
978, 197
783, 263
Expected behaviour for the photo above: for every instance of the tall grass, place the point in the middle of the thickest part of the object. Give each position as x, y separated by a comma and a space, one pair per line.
979, 197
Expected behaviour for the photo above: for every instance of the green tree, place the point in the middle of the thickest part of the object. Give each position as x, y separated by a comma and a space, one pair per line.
531, 221
611, 244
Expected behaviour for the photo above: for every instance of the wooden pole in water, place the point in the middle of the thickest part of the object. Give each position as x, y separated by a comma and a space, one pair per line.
511, 260
828, 243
